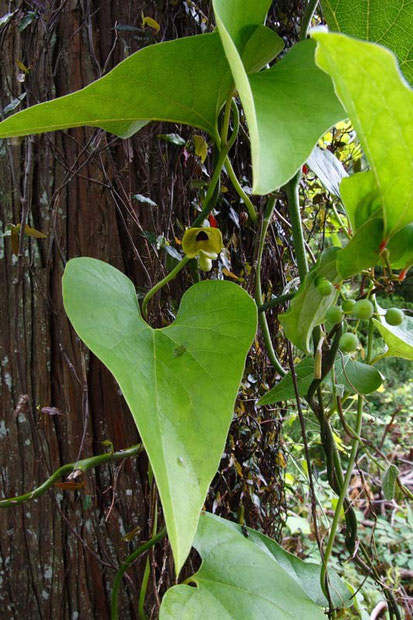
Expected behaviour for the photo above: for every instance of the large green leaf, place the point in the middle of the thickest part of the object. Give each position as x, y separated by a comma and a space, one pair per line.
246, 575
180, 382
401, 248
363, 249
351, 374
380, 106
288, 107
399, 339
308, 307
360, 196
182, 81
388, 22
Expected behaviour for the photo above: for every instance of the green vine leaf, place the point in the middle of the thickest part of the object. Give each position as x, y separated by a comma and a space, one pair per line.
244, 574
288, 107
360, 196
387, 135
180, 382
400, 248
381, 21
354, 376
141, 88
182, 81
389, 481
399, 339
284, 390
308, 307
363, 249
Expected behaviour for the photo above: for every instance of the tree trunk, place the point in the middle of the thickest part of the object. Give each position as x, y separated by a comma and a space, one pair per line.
59, 553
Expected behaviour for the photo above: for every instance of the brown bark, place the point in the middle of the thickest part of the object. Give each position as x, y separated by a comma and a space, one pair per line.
58, 556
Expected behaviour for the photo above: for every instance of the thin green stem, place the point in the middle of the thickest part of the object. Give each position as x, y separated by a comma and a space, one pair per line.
342, 496
170, 276
307, 17
340, 221
291, 190
238, 188
276, 302
370, 342
124, 567
208, 203
258, 289
145, 578
144, 587
79, 466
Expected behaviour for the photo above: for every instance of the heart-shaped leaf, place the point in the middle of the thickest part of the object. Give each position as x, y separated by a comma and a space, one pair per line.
182, 81
308, 307
354, 376
387, 135
357, 376
381, 21
180, 382
246, 575
288, 107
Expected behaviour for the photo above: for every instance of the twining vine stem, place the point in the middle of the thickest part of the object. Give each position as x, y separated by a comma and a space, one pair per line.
127, 563
224, 144
258, 291
78, 466
291, 190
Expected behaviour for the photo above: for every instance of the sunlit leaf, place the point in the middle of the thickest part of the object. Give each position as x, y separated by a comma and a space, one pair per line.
387, 22
145, 200
400, 248
180, 382
380, 106
363, 249
360, 196
184, 81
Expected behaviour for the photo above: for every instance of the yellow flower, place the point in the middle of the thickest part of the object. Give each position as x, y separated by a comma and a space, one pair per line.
203, 242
